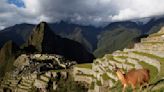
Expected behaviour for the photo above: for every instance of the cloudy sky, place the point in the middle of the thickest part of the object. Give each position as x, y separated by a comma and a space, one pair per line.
94, 12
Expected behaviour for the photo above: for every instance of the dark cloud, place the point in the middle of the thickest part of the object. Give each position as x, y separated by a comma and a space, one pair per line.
95, 12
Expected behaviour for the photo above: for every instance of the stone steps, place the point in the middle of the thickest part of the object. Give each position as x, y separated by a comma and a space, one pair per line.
27, 83
154, 52
157, 47
21, 90
24, 86
146, 59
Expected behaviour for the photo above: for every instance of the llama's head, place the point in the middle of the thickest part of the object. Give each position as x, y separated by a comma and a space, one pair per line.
119, 72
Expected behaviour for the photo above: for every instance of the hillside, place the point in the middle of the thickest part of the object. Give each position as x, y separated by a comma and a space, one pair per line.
115, 39
7, 56
146, 54
18, 34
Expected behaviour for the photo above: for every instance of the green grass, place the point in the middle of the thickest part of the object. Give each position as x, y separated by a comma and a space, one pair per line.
122, 57
87, 75
153, 70
87, 65
116, 39
125, 57
153, 43
61, 70
133, 65
160, 59
156, 34
110, 57
92, 86
105, 77
98, 83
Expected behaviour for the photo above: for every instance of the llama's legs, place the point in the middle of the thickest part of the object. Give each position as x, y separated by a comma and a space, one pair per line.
141, 88
134, 87
124, 86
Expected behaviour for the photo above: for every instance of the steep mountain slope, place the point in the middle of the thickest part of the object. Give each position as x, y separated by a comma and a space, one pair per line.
88, 34
7, 55
116, 39
44, 40
154, 25
18, 34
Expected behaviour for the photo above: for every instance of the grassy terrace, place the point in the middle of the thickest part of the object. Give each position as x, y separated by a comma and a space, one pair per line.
87, 75
153, 43
87, 65
98, 83
105, 76
122, 52
125, 57
131, 64
92, 85
122, 57
61, 70
157, 34
153, 70
161, 60
110, 57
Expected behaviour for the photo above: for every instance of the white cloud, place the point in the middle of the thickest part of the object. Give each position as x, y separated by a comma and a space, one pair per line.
95, 12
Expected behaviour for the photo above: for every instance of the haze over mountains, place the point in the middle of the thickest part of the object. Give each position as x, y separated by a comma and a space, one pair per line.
98, 40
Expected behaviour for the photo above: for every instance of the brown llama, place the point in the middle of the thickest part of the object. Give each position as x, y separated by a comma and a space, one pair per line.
133, 77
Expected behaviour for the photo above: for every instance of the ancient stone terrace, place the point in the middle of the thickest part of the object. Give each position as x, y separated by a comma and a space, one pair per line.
149, 53
29, 72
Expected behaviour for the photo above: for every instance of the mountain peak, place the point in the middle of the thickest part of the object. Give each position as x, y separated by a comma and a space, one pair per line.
44, 40
39, 34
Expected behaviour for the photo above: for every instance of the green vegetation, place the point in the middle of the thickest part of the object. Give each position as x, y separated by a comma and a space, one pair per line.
153, 43
7, 56
156, 34
128, 63
123, 57
87, 75
161, 60
98, 83
116, 39
69, 85
105, 77
87, 65
153, 70
110, 57
156, 28
92, 85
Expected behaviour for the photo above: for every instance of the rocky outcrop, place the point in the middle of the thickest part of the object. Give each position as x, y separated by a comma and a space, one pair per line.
44, 40
7, 56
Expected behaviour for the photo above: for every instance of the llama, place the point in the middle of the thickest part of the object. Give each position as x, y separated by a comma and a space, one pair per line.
133, 77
